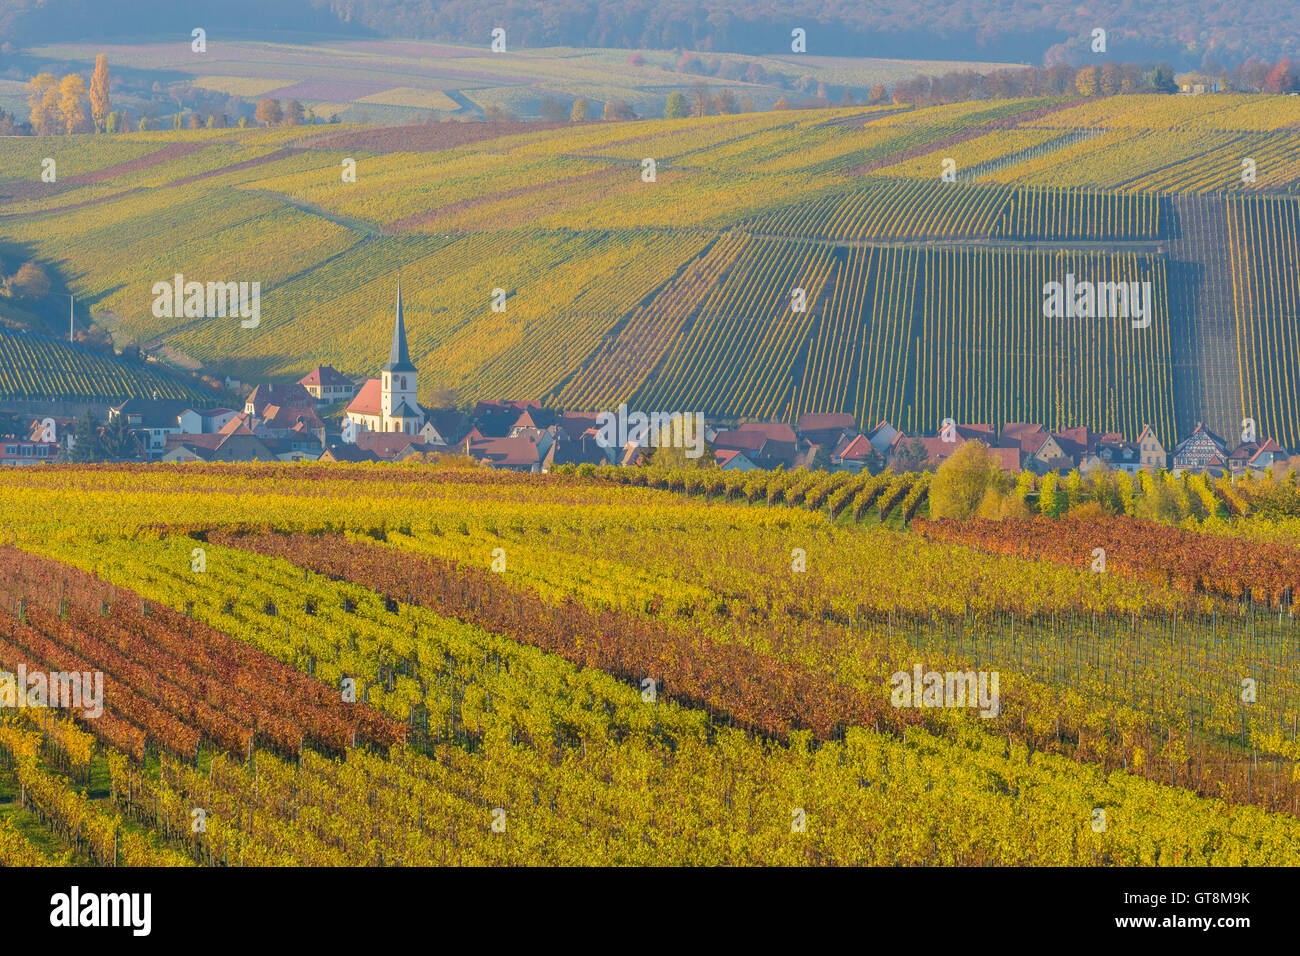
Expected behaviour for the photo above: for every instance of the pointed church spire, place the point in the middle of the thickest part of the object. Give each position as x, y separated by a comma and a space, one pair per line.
398, 358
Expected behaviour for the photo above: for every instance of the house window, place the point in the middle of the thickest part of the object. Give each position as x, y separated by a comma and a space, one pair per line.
403, 383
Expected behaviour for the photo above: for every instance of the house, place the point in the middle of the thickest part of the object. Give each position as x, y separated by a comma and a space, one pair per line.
53, 428
1195, 452
576, 424
1112, 451
421, 449
883, 438
151, 420
767, 445
1255, 457
1269, 454
386, 446
586, 449
205, 421
289, 396
346, 452
326, 385
732, 460
387, 403
444, 427
1039, 450
509, 454
1152, 454
20, 452
828, 428
856, 453
1074, 443
985, 433
498, 407
235, 442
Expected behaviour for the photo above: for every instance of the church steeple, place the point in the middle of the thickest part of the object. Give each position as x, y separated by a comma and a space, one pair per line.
399, 360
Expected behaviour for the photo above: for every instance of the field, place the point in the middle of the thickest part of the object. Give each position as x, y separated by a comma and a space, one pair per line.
560, 670
675, 286
398, 81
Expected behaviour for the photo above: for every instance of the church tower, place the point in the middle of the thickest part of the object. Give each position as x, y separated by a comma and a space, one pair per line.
399, 410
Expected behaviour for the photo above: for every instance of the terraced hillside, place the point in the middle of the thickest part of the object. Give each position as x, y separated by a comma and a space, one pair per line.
596, 236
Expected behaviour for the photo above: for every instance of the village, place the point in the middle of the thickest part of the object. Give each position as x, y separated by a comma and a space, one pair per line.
327, 416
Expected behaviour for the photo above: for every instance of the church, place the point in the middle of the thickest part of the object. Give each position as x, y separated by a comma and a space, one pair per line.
388, 404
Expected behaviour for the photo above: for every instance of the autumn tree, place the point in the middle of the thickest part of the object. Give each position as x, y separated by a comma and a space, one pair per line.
554, 111
676, 107
963, 482
1111, 80
581, 111
29, 282
100, 106
1088, 82
294, 115
700, 100
72, 104
877, 95
43, 98
268, 112
617, 110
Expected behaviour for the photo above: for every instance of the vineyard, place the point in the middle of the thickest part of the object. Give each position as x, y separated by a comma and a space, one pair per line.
656, 261
335, 669
34, 366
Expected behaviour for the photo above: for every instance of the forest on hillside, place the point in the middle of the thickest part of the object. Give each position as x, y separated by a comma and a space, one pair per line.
1046, 32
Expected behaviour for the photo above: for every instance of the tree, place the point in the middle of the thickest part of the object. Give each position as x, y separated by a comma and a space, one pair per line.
86, 447
113, 122
617, 110
877, 95
781, 104
962, 482
1279, 79
847, 98
30, 281
117, 443
909, 458
1088, 82
746, 104
194, 122
700, 99
1112, 80
268, 112
554, 111
294, 114
1050, 503
676, 107
72, 104
100, 107
143, 125
1162, 79
581, 111
724, 104
43, 98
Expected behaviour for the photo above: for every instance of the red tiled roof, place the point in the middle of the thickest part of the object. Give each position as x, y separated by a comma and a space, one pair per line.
855, 449
826, 421
369, 400
773, 431
506, 451
742, 441
324, 375
385, 444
